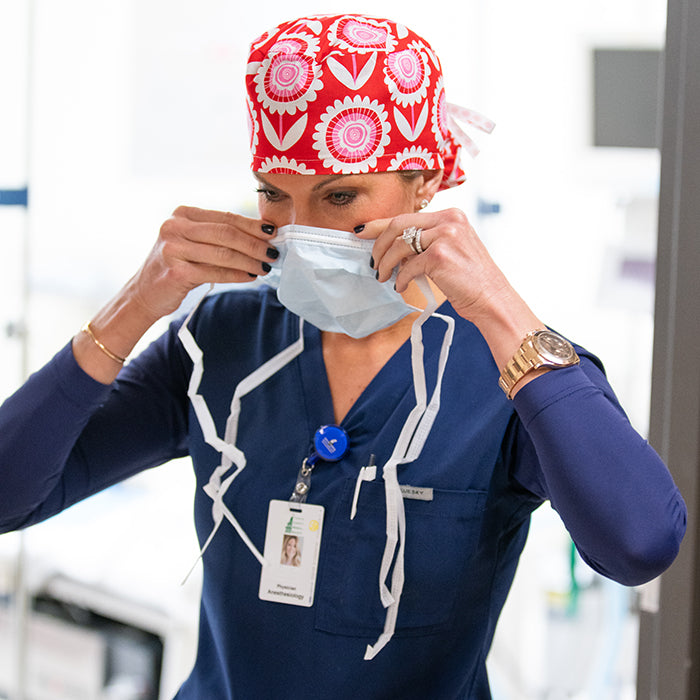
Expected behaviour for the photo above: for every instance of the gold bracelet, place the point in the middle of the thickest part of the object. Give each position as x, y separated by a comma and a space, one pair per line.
86, 329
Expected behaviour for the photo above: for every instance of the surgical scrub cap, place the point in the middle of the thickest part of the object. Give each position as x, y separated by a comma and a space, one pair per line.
352, 94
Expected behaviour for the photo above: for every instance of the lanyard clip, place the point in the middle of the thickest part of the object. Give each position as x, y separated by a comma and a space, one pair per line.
303, 485
331, 444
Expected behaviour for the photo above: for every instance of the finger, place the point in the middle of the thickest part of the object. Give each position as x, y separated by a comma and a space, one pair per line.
227, 238
374, 230
382, 231
187, 275
395, 250
253, 227
410, 269
224, 235
217, 256
389, 247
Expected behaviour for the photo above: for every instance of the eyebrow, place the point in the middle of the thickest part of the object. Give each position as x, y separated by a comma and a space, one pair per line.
328, 181
316, 187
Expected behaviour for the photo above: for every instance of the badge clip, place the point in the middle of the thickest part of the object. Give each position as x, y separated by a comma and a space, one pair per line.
331, 444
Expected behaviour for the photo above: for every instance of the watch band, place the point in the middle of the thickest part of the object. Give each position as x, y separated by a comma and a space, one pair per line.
516, 368
529, 357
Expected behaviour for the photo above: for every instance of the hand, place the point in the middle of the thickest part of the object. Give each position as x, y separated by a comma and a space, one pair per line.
453, 257
198, 246
456, 260
194, 246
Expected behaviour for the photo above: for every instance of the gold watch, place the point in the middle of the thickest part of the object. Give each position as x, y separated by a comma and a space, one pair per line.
538, 349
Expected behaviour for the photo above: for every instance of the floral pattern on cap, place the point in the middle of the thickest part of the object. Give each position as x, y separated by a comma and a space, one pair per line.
362, 34
407, 75
439, 116
301, 43
253, 124
285, 166
352, 94
352, 135
413, 158
286, 82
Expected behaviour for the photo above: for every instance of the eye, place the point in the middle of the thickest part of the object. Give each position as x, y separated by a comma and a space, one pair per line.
268, 194
341, 199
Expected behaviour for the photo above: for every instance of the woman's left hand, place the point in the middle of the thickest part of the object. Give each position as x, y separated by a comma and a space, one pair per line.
452, 256
455, 259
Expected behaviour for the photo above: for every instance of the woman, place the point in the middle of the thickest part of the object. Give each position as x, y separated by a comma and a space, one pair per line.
291, 556
416, 507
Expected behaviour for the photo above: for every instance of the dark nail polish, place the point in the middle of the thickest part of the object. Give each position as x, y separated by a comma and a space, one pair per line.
268, 228
250, 274
359, 229
371, 262
394, 286
376, 275
273, 253
266, 267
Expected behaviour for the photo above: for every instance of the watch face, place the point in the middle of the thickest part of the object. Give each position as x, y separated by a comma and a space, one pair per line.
554, 348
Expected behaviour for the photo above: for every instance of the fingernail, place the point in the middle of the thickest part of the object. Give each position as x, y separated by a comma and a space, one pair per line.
376, 275
266, 267
250, 274
273, 253
394, 286
359, 229
268, 228
371, 262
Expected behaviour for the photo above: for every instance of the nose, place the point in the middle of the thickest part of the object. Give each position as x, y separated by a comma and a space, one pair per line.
301, 214
294, 212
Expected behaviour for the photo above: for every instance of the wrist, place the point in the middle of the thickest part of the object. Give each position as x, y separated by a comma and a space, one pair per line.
110, 336
105, 350
503, 322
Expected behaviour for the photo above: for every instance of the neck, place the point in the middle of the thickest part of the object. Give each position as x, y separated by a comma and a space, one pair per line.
351, 363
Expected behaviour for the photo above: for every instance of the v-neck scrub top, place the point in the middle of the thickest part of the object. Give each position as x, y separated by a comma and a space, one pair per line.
488, 461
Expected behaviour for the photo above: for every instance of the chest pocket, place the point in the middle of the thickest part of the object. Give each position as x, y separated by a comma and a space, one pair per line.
441, 536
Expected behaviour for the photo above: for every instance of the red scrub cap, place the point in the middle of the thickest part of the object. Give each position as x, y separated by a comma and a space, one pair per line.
352, 94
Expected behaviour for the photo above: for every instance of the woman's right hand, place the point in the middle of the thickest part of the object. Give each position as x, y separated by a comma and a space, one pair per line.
194, 247
200, 246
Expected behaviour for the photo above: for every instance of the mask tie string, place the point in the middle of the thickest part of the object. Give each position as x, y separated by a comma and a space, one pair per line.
216, 487
408, 447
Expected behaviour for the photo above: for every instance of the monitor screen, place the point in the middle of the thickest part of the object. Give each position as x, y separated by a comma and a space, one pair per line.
626, 97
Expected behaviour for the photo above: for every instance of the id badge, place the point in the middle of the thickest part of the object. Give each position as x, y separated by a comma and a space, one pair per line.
292, 546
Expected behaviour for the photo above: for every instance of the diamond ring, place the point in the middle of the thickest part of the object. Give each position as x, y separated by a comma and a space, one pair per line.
411, 236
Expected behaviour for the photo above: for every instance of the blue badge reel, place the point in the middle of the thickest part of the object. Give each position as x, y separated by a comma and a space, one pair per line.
331, 444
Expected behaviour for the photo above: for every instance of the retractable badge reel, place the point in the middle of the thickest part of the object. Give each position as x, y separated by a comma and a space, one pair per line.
331, 444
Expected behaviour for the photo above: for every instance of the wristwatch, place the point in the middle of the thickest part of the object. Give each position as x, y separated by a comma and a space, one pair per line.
538, 349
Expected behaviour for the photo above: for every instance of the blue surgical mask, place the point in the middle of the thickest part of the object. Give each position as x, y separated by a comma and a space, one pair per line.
324, 276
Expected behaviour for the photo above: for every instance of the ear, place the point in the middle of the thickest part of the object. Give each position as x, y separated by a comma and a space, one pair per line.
426, 186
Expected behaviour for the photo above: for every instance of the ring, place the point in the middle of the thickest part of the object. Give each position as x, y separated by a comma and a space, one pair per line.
416, 242
412, 237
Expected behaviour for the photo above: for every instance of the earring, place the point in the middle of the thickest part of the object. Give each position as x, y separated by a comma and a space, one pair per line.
424, 203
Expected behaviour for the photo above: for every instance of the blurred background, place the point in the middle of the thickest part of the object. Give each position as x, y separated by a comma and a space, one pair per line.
114, 113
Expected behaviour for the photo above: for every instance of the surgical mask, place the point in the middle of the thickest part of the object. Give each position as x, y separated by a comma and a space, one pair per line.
324, 276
